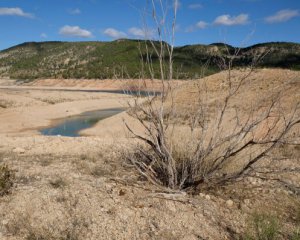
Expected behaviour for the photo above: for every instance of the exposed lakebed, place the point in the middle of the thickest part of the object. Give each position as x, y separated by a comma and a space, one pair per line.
71, 126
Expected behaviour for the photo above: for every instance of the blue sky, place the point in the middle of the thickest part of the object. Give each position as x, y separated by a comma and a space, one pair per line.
236, 22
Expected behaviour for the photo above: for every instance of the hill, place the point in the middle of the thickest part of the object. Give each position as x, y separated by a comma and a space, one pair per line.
122, 58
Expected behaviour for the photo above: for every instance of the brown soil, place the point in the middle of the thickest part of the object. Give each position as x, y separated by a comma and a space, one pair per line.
82, 188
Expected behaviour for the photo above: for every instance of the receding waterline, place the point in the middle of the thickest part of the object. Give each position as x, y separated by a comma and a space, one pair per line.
71, 126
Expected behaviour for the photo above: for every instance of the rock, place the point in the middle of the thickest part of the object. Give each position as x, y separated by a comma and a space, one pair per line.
122, 192
19, 150
244, 207
278, 190
247, 201
266, 191
171, 206
252, 180
4, 222
229, 203
202, 195
207, 197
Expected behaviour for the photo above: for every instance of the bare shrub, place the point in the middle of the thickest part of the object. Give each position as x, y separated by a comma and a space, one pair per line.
223, 140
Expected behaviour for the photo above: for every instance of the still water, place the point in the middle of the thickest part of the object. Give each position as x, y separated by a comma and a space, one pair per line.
71, 126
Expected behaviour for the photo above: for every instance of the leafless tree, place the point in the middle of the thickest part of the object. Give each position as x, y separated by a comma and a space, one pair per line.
222, 140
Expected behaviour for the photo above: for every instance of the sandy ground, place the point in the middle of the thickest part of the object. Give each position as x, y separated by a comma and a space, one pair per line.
83, 188
25, 110
106, 84
34, 105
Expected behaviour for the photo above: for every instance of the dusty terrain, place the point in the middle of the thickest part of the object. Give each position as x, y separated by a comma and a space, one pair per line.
82, 188
31, 109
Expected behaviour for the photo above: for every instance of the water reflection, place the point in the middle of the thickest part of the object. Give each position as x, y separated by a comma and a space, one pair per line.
71, 126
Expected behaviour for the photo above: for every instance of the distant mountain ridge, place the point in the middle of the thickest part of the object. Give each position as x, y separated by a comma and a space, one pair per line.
124, 58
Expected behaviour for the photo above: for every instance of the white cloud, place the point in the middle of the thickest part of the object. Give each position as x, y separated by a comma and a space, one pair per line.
195, 6
190, 29
43, 35
201, 25
15, 12
138, 32
198, 25
282, 16
75, 11
113, 33
227, 20
75, 31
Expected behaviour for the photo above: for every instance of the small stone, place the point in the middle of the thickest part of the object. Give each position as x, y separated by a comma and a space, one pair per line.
19, 150
244, 207
266, 191
171, 206
278, 191
202, 195
207, 197
4, 222
229, 203
122, 192
247, 201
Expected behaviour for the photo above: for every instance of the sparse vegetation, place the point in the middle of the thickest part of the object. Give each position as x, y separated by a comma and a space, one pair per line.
223, 141
6, 180
296, 235
69, 223
215, 158
58, 182
5, 103
122, 58
263, 227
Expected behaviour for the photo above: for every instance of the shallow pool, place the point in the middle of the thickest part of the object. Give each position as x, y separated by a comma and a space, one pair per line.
71, 126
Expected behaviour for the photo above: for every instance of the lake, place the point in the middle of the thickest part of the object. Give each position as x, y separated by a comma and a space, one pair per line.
71, 126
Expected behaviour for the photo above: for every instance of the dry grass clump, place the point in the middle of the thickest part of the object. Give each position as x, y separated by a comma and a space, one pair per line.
266, 226
296, 232
6, 180
48, 220
58, 182
263, 227
100, 164
5, 103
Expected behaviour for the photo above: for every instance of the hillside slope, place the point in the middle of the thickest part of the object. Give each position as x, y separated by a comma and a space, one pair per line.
122, 58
